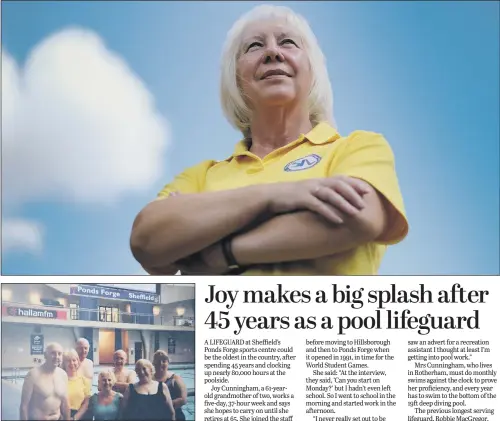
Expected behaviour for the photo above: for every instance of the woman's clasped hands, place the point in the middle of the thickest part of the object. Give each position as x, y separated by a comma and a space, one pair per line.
335, 198
338, 199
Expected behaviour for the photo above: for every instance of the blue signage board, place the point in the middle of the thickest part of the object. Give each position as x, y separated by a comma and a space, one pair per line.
99, 291
37, 344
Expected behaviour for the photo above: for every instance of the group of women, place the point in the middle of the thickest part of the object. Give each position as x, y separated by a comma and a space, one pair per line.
159, 394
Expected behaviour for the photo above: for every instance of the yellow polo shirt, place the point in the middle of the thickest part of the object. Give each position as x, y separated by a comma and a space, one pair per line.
320, 153
79, 388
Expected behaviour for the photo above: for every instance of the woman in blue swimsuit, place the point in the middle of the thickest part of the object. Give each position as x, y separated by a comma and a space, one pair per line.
104, 405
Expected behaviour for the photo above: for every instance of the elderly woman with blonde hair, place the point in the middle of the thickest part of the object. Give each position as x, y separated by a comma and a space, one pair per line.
147, 399
105, 405
295, 197
79, 387
174, 382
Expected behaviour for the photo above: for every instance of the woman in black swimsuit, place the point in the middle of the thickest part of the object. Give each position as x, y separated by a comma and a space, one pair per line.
174, 382
147, 400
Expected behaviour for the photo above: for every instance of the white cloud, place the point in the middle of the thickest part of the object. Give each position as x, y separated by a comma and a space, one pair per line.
78, 124
22, 235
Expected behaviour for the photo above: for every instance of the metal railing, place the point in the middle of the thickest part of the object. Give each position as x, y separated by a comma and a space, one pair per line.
14, 378
97, 315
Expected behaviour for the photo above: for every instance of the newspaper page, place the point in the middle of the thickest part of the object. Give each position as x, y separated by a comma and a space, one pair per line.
324, 176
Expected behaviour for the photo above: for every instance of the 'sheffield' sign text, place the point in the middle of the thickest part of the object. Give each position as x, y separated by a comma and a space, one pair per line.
114, 293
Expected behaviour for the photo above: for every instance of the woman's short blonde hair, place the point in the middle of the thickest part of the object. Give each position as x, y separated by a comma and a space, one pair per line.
320, 100
67, 356
106, 373
145, 363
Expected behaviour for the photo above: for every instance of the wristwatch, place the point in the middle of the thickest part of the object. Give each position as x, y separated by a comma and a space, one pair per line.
227, 250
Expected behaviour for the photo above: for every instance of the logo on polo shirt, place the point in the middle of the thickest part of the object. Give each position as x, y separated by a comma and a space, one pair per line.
303, 163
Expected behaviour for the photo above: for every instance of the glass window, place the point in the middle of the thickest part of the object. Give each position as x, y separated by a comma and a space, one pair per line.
73, 312
109, 314
102, 314
184, 321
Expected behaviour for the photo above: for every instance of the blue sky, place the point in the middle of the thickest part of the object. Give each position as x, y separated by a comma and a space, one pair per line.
425, 74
